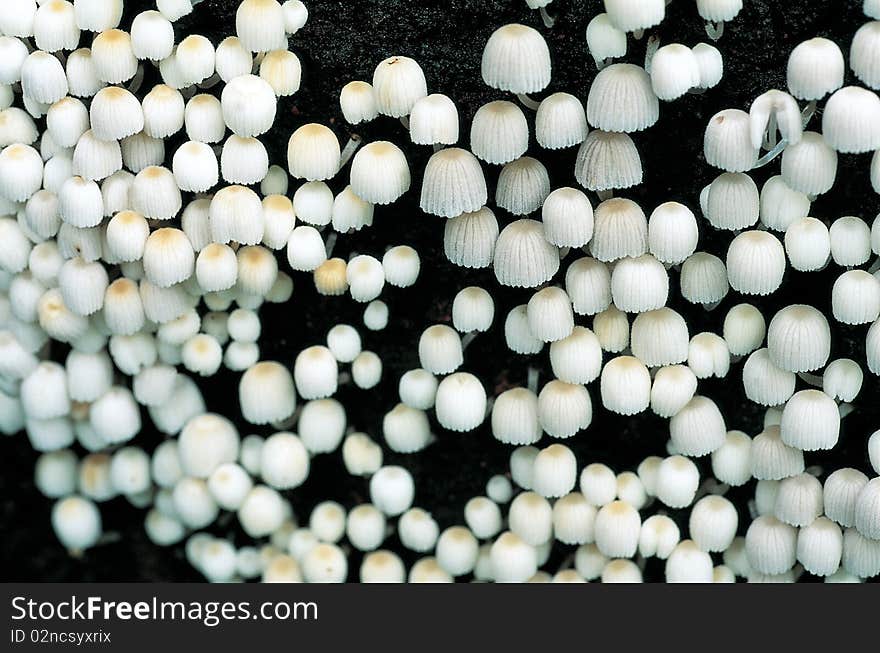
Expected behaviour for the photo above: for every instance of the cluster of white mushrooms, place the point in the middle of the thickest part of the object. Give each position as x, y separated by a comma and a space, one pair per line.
129, 275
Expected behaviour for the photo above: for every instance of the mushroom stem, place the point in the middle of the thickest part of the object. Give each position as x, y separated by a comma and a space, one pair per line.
288, 423
711, 306
845, 409
489, 404
533, 379
549, 21
438, 147
468, 339
110, 537
650, 50
257, 61
807, 113
135, 84
874, 266
343, 379
711, 486
639, 33
753, 509
697, 90
212, 81
188, 92
770, 134
600, 63
404, 120
528, 102
772, 154
715, 30
605, 194
348, 151
567, 562
330, 243
813, 379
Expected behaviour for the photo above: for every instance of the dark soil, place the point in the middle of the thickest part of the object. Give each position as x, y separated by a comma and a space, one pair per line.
343, 41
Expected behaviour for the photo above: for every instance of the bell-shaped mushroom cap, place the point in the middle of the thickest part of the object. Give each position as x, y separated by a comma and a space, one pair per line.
398, 82
453, 184
516, 59
608, 161
523, 257
621, 99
